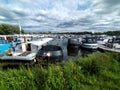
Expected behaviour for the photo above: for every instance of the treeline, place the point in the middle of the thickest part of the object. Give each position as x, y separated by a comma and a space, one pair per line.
6, 29
111, 33
82, 33
60, 32
116, 33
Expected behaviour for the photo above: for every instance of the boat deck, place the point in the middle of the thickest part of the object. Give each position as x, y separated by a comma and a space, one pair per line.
25, 53
108, 49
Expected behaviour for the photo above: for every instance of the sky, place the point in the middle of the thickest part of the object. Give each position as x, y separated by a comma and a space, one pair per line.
61, 15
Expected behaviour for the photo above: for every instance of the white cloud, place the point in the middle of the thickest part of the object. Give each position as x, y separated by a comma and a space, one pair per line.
2, 17
62, 15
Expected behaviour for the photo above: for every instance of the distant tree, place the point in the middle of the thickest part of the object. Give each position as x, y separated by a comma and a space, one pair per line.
98, 33
9, 29
116, 33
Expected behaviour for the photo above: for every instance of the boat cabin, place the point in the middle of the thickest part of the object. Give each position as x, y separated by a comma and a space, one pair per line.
114, 42
89, 40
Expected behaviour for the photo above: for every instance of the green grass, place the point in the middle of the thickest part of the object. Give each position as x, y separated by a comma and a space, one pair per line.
96, 72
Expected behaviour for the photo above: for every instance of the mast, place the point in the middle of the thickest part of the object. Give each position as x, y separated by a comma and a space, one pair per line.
20, 28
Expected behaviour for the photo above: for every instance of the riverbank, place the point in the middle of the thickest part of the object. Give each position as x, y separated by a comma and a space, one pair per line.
96, 72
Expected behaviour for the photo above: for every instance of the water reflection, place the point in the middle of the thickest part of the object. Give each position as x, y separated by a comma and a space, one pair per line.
85, 53
75, 53
72, 52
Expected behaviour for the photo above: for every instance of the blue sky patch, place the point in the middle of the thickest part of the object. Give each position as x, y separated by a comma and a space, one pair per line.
84, 6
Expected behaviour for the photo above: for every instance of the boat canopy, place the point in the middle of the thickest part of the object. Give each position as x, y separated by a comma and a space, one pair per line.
40, 42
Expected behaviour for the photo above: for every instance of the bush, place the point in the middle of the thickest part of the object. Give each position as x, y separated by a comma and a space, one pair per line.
91, 73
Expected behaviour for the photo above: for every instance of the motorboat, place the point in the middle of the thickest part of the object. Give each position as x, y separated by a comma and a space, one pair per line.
73, 46
89, 42
102, 40
25, 52
49, 54
113, 45
73, 43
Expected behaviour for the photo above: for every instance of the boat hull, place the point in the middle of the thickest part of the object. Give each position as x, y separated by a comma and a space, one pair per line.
108, 49
89, 46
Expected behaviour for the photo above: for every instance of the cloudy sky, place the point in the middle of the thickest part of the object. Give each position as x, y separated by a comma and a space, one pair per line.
62, 15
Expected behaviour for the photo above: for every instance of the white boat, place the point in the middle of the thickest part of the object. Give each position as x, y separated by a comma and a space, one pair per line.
25, 52
113, 45
108, 49
89, 43
102, 40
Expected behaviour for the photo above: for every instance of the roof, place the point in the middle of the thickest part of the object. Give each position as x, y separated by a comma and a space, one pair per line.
41, 41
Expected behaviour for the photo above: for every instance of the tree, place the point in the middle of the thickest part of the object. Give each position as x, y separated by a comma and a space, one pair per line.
116, 33
9, 29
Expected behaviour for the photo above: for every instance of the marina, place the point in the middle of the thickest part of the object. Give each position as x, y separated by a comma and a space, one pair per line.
32, 48
60, 45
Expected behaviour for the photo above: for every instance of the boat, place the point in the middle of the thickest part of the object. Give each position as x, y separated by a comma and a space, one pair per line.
25, 52
73, 46
49, 54
102, 39
89, 42
6, 43
73, 43
113, 45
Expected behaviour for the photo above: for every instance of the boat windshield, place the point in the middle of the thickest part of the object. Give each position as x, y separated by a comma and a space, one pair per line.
89, 40
116, 41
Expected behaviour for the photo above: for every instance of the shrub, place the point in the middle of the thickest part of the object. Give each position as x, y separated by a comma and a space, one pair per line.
96, 72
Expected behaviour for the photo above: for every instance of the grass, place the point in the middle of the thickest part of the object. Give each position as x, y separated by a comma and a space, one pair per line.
96, 72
